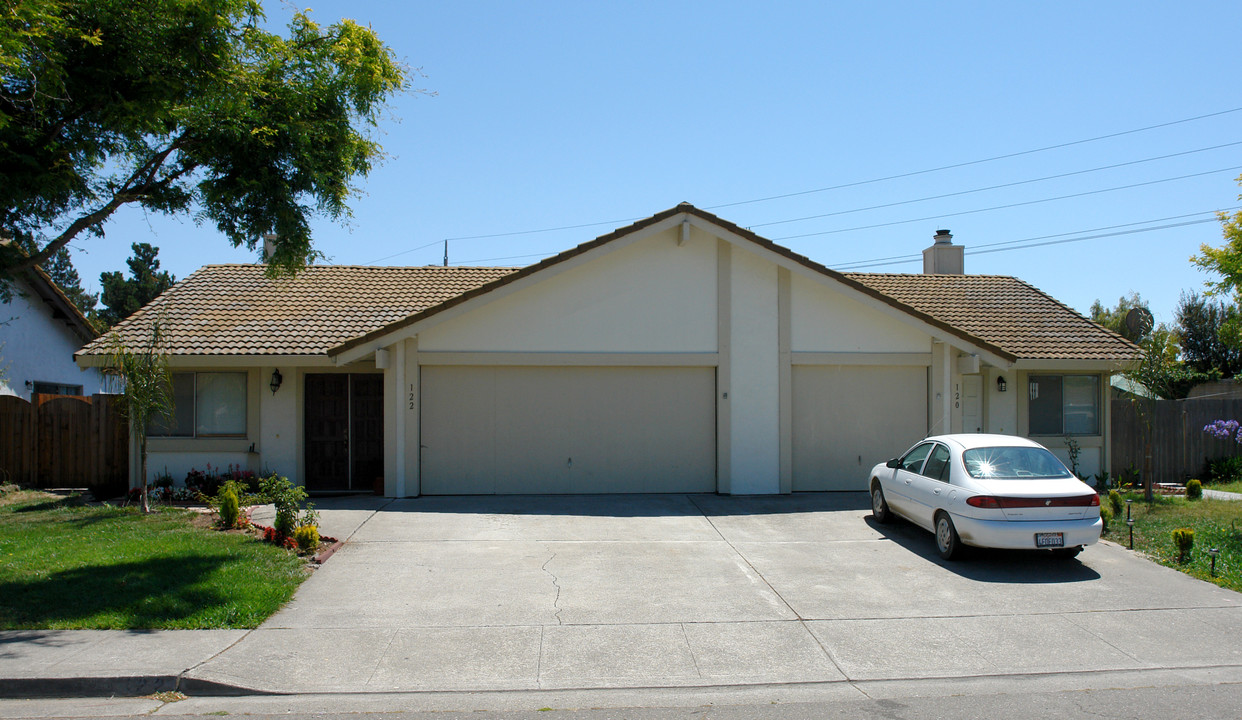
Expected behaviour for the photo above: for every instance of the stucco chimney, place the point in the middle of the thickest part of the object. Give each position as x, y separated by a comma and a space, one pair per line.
943, 257
269, 245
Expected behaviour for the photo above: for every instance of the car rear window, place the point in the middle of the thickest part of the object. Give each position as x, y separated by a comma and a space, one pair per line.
1013, 463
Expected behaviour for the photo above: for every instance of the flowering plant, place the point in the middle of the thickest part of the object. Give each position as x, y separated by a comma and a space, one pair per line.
1224, 430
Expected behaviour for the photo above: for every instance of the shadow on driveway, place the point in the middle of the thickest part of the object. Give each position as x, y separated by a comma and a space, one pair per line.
637, 505
987, 564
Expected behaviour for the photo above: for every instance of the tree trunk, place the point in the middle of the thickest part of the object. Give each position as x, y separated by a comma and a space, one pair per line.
142, 464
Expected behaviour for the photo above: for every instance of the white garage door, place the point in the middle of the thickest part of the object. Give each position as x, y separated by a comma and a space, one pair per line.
567, 430
848, 418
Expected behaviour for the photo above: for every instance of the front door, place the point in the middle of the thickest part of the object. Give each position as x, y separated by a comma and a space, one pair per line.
344, 431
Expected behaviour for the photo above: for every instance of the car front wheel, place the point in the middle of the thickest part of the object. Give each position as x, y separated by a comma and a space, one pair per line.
879, 506
947, 541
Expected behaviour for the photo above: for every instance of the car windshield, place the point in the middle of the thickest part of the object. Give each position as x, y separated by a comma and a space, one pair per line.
1003, 463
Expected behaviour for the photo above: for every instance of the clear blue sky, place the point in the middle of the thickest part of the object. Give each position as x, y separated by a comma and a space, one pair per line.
556, 114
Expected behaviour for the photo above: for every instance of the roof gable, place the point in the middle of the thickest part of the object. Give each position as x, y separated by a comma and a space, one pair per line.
63, 309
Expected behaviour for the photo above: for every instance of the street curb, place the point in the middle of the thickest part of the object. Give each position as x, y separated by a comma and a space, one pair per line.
125, 686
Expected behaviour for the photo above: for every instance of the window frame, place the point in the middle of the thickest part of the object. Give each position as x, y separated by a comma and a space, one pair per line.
194, 424
1097, 404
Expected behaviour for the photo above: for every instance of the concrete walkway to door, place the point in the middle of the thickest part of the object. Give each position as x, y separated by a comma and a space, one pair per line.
488, 593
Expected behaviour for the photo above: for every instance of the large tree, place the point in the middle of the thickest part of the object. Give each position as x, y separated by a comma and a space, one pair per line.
1224, 261
179, 106
1208, 332
123, 295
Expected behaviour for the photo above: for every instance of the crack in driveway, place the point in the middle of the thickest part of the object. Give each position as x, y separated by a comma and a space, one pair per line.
556, 583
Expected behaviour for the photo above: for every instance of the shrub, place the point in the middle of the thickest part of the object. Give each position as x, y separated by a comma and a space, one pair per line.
287, 497
1194, 489
1224, 470
162, 480
1114, 500
1129, 478
1184, 540
1106, 514
307, 537
229, 510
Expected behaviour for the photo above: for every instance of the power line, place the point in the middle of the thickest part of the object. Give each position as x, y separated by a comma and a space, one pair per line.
996, 187
1010, 205
901, 260
849, 184
909, 257
973, 162
404, 252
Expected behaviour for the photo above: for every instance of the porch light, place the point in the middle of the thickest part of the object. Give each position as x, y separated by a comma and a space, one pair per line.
1001, 385
277, 379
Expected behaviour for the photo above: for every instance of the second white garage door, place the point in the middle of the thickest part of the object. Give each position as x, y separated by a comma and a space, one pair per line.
848, 418
567, 430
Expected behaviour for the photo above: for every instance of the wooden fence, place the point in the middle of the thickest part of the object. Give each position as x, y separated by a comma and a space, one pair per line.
65, 441
1179, 447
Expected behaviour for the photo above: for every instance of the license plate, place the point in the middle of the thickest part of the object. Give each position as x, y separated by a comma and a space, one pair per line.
1049, 540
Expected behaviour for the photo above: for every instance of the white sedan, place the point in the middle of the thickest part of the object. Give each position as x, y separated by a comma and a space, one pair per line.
992, 491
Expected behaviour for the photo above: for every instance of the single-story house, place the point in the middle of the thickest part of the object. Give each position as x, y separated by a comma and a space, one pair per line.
40, 330
679, 354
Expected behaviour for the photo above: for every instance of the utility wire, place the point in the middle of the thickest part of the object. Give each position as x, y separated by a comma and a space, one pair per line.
995, 187
1132, 231
1010, 205
974, 248
856, 183
974, 162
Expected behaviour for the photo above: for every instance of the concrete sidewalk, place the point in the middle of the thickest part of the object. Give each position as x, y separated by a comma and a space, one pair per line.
564, 594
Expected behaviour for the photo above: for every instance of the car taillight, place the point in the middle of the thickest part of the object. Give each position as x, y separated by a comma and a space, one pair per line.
1014, 503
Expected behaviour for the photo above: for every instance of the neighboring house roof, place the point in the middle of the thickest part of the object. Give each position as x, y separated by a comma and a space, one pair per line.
326, 310
41, 284
1004, 312
239, 310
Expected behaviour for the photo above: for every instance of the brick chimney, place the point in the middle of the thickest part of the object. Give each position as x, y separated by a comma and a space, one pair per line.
943, 257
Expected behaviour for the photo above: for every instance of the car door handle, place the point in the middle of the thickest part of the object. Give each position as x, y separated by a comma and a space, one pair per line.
937, 491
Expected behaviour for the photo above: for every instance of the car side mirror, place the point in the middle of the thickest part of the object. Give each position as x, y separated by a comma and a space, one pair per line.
894, 463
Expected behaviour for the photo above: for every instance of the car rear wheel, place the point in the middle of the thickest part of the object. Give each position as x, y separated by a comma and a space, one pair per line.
879, 506
947, 541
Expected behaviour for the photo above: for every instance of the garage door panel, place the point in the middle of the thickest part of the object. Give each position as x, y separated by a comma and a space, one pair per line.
567, 430
848, 418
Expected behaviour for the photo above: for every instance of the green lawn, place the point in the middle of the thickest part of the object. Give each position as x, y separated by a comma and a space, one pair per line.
1217, 523
1234, 487
64, 567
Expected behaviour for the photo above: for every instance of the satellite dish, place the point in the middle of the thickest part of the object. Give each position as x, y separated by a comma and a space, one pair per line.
1139, 321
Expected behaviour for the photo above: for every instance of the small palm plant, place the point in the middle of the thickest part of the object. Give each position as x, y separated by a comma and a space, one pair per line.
146, 387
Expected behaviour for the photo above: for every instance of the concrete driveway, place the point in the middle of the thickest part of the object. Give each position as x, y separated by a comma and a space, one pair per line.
676, 590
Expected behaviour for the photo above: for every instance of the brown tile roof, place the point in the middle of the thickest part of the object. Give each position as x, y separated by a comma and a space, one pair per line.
1004, 312
238, 310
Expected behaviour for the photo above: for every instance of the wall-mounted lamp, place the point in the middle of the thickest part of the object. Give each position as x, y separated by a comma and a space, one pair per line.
277, 379
1001, 385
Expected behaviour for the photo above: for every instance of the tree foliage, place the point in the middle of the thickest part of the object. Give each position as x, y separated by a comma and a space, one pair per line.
180, 106
1209, 335
147, 386
122, 296
1115, 318
1224, 261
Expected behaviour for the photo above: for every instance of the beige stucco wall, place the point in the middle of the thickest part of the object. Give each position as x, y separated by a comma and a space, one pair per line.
825, 319
754, 439
651, 296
